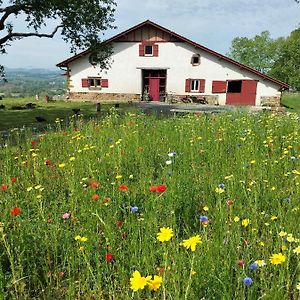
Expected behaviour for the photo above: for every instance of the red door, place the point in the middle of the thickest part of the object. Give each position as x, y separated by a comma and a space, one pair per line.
241, 92
154, 89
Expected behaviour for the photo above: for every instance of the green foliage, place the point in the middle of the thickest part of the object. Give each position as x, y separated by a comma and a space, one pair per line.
52, 179
287, 66
80, 22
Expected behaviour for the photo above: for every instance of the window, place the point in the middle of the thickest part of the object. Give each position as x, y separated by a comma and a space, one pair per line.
94, 82
195, 61
234, 86
194, 85
148, 50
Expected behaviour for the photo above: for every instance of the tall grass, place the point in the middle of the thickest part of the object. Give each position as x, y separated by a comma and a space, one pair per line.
230, 168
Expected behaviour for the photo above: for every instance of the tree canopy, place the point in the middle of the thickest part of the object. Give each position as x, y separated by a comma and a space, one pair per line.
279, 58
80, 22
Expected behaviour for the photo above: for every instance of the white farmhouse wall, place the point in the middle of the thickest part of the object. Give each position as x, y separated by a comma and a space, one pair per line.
125, 74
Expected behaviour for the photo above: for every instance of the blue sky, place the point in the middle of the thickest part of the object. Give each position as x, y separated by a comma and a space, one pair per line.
212, 23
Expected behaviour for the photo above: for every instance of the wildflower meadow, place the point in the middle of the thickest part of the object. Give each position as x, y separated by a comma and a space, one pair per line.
135, 207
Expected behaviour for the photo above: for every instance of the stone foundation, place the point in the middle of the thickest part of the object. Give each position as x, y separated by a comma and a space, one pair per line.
104, 97
212, 100
273, 101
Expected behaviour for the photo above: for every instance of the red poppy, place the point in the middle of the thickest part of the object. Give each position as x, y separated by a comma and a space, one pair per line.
153, 188
94, 184
229, 202
161, 188
109, 257
48, 163
15, 211
241, 263
4, 187
95, 197
61, 275
33, 143
123, 187
13, 179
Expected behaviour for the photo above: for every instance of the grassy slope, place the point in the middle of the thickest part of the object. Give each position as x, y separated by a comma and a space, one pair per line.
291, 102
50, 111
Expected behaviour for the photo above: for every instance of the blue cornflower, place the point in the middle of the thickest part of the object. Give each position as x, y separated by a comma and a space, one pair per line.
222, 186
134, 209
203, 218
254, 266
247, 280
246, 166
238, 145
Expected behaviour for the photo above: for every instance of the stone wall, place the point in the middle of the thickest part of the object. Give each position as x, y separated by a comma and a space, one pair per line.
104, 97
270, 101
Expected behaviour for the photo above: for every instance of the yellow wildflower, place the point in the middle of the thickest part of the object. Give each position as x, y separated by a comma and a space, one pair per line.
297, 250
260, 262
119, 176
154, 284
298, 286
245, 222
236, 219
219, 190
282, 233
137, 282
165, 234
277, 258
205, 208
290, 238
61, 165
192, 242
72, 158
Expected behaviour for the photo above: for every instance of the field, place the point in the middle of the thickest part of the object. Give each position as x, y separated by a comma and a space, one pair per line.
132, 207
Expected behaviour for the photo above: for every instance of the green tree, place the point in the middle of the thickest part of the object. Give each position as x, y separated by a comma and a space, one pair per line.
259, 52
287, 65
79, 21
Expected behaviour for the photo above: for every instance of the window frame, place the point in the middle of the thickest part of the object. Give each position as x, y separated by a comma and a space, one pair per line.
152, 50
195, 82
192, 60
94, 80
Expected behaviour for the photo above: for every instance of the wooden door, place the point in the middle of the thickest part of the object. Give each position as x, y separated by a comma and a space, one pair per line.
241, 92
154, 89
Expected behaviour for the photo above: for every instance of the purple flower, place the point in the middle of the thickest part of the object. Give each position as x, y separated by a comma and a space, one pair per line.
222, 186
203, 218
66, 216
247, 281
134, 209
253, 266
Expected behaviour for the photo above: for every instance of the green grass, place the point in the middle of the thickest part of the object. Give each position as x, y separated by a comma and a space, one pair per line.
256, 157
291, 102
50, 111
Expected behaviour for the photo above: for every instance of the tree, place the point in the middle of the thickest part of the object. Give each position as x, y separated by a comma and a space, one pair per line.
287, 65
259, 52
79, 21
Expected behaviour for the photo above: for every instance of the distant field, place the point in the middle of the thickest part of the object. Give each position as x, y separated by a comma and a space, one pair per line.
291, 102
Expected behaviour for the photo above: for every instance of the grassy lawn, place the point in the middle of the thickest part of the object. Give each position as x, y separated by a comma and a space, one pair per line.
49, 111
291, 102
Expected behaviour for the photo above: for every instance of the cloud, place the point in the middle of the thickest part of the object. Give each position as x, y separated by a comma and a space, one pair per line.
211, 23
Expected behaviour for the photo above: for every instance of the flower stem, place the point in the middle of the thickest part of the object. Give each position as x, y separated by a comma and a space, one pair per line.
190, 278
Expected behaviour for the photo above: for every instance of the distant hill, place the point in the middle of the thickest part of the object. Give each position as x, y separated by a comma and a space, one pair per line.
30, 82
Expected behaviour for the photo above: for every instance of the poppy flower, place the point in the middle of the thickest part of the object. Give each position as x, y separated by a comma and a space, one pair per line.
153, 188
123, 187
229, 202
13, 179
95, 197
109, 257
15, 211
33, 143
48, 163
94, 184
120, 223
4, 187
161, 188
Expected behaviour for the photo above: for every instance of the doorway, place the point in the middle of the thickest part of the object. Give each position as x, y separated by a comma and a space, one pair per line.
241, 92
154, 85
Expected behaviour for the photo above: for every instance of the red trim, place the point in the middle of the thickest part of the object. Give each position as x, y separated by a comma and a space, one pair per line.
141, 50
201, 85
219, 86
104, 83
85, 83
183, 39
155, 50
187, 85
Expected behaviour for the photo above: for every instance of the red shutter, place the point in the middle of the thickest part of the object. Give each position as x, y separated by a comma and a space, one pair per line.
141, 50
201, 85
219, 86
188, 85
155, 50
85, 83
104, 83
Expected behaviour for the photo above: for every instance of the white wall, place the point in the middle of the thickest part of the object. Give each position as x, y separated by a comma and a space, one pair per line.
124, 76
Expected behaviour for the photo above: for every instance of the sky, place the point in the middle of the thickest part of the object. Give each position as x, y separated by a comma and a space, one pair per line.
211, 23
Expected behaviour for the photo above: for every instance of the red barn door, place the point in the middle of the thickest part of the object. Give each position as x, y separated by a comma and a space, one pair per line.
241, 92
154, 88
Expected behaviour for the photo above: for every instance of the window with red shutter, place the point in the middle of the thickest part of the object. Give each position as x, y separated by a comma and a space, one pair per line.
104, 83
219, 86
188, 85
84, 82
141, 50
202, 86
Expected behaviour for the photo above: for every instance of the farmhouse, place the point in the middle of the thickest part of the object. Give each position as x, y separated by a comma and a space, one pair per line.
150, 62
